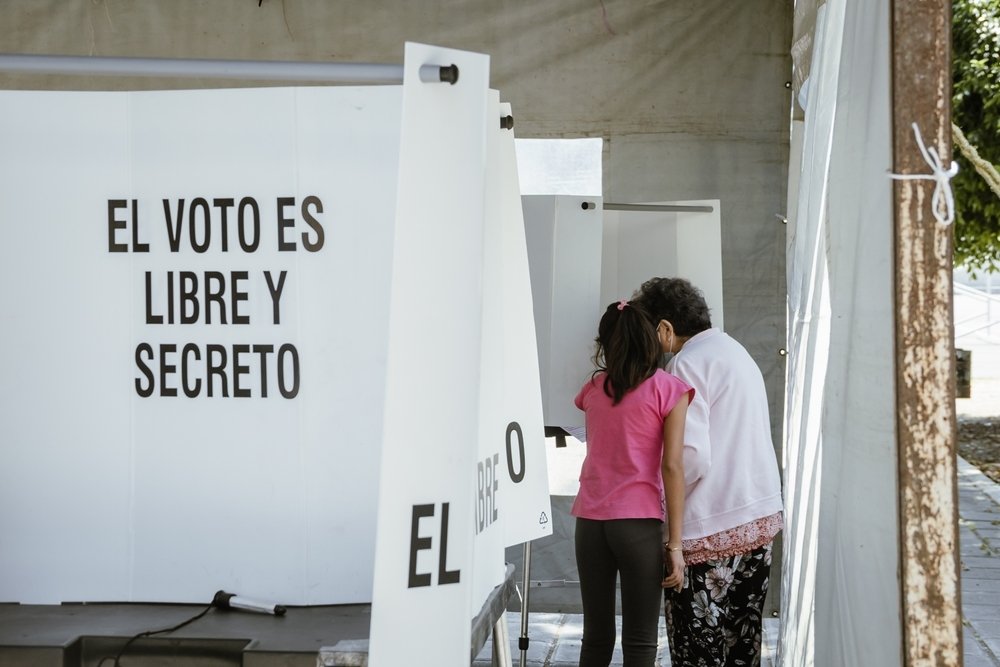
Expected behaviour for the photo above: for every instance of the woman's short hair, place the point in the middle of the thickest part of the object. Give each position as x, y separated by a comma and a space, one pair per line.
677, 301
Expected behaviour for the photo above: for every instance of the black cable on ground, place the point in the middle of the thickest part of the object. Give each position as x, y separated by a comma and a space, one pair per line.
150, 633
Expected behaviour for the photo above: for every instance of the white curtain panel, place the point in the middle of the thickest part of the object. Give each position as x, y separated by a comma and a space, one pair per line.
840, 597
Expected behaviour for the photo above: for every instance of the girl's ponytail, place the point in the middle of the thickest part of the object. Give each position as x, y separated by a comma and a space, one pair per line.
627, 349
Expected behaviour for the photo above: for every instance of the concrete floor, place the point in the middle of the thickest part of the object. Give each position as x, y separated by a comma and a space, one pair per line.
554, 641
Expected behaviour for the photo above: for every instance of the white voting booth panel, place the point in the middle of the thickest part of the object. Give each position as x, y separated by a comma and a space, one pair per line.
424, 550
186, 400
564, 252
511, 500
233, 356
463, 467
639, 245
514, 351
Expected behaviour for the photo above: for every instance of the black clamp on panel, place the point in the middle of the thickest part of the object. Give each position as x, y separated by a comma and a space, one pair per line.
507, 122
587, 205
558, 433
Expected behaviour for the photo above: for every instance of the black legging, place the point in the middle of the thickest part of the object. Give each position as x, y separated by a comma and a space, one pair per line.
632, 548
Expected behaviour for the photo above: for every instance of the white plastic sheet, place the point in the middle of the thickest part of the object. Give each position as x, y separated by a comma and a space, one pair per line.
840, 593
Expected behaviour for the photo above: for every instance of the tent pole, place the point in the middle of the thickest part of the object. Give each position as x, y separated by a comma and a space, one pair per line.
213, 69
522, 642
656, 208
925, 350
650, 208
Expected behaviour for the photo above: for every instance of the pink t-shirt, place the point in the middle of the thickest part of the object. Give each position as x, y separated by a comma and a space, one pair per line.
620, 477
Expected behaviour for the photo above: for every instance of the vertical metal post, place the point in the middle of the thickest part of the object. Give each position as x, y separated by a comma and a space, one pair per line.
925, 349
989, 303
522, 642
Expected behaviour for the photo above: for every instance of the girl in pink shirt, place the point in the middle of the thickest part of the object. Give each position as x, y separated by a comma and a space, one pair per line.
630, 506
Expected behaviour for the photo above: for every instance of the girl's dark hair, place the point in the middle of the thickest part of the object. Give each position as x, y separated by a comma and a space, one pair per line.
627, 349
677, 301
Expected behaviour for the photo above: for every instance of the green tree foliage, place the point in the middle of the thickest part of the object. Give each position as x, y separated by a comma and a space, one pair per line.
976, 110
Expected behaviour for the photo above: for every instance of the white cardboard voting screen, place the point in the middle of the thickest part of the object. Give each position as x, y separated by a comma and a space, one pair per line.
639, 245
512, 502
195, 395
424, 554
564, 250
465, 373
525, 498
584, 259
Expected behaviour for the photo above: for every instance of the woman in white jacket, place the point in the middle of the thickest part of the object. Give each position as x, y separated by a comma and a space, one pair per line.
733, 506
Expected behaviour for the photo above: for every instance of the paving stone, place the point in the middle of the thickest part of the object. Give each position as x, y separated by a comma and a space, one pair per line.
974, 655
982, 574
977, 660
993, 644
980, 612
988, 629
980, 517
979, 547
973, 585
567, 651
980, 598
975, 550
985, 565
981, 562
543, 634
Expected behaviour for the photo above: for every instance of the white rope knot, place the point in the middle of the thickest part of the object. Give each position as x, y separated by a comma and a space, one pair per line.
942, 196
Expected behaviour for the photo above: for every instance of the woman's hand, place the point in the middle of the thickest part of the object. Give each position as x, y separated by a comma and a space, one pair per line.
675, 569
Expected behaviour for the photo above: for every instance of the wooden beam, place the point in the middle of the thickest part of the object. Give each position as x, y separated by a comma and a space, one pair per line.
925, 354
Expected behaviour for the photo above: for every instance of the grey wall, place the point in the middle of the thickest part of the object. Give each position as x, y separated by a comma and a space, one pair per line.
689, 95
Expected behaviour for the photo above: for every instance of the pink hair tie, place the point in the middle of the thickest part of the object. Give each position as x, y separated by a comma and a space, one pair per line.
622, 304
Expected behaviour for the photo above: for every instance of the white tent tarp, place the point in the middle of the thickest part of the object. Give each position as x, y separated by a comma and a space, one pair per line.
840, 593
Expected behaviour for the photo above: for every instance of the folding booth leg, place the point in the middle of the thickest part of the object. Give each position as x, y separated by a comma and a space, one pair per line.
501, 643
